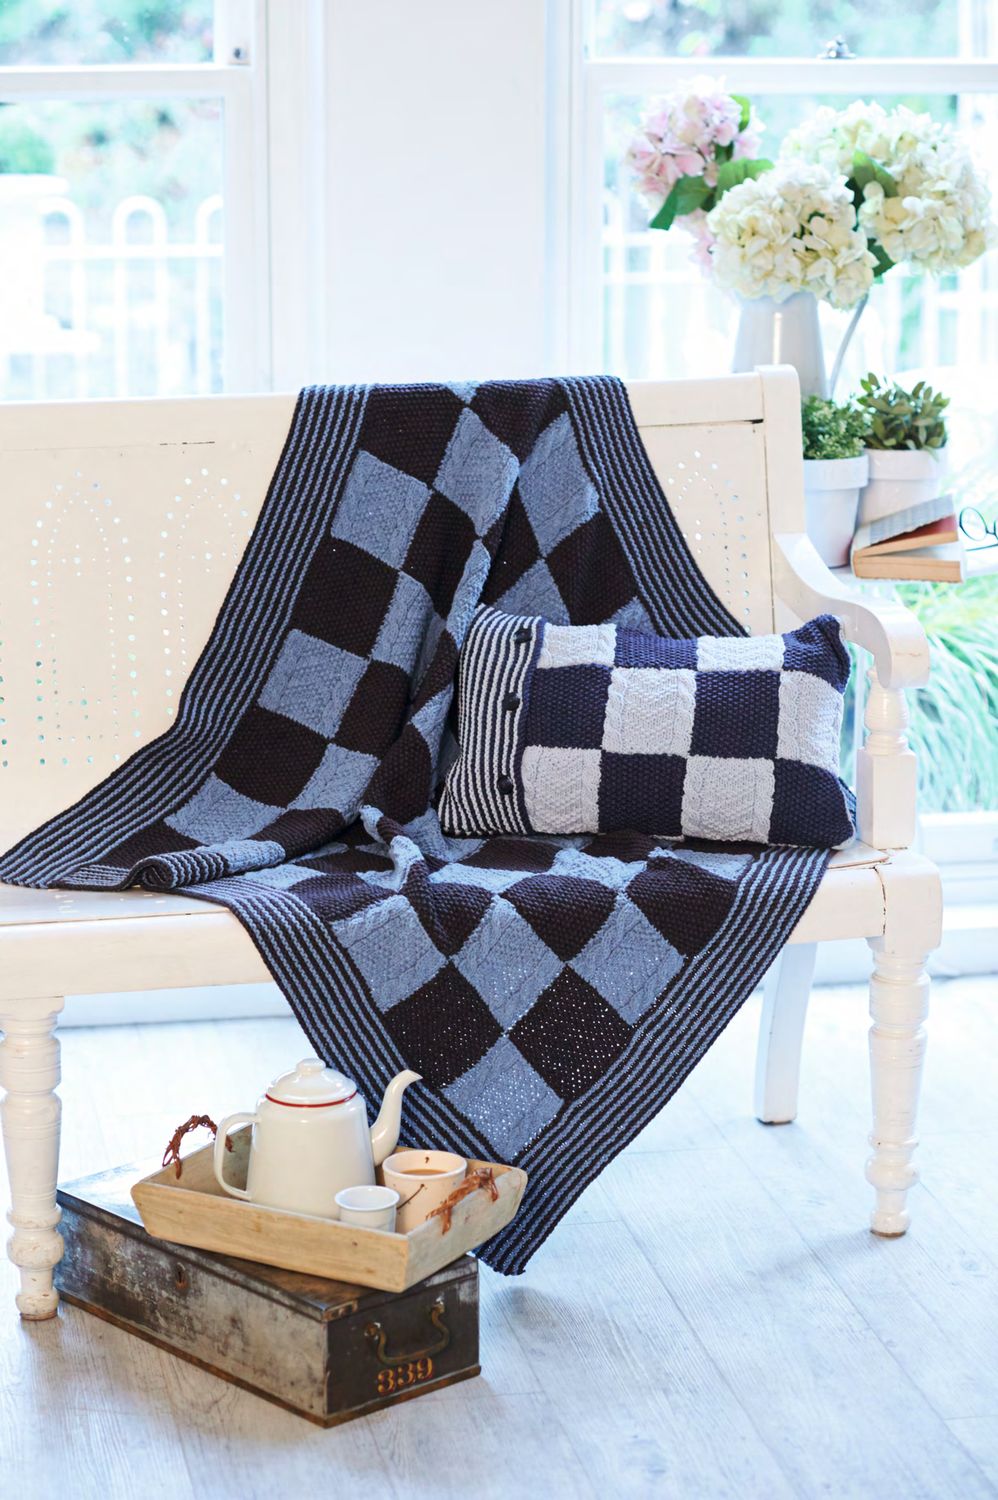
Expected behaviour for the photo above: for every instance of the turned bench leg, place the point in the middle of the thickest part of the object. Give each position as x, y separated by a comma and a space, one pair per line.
899, 1003
781, 1034
30, 1116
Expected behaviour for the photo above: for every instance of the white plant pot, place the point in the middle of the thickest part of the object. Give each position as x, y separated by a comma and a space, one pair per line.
783, 333
900, 477
831, 498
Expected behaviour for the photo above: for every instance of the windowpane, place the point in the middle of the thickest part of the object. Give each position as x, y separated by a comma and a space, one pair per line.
700, 29
41, 32
111, 243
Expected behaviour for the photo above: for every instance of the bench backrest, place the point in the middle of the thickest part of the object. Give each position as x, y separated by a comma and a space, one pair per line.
122, 522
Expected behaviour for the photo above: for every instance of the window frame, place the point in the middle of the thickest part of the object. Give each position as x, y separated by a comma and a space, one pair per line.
592, 76
238, 77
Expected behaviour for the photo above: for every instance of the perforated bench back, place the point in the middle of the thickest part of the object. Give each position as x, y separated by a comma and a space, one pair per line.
122, 523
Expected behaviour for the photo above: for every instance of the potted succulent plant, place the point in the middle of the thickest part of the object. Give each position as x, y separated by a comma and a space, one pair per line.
906, 443
835, 470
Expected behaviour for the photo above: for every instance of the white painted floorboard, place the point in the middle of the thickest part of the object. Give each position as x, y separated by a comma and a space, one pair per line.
712, 1320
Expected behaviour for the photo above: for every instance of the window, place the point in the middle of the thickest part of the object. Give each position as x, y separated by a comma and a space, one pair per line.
640, 308
130, 187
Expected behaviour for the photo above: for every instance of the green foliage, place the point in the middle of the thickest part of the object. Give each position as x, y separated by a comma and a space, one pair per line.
864, 171
23, 149
831, 431
71, 32
731, 173
687, 195
953, 719
691, 193
897, 418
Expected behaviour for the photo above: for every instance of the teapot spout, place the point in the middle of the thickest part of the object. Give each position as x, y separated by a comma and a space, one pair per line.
385, 1130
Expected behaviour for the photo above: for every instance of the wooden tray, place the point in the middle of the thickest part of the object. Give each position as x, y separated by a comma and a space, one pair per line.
195, 1211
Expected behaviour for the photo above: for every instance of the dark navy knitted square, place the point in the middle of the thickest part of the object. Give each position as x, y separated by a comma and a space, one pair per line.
571, 729
567, 706
737, 714
818, 648
636, 649
652, 782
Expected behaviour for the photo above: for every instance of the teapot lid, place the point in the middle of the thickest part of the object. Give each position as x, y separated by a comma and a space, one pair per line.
311, 1083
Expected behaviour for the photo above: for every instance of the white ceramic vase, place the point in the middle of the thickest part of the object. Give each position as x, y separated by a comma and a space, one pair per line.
900, 477
783, 333
831, 498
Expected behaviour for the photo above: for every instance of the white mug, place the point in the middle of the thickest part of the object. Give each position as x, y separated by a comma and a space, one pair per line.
422, 1179
368, 1207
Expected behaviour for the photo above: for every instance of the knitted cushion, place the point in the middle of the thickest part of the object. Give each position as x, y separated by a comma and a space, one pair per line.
589, 728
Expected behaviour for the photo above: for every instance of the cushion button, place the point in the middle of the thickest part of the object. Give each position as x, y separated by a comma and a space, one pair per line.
505, 785
522, 636
511, 701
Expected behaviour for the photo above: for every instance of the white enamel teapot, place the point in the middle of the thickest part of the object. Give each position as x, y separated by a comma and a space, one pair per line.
311, 1138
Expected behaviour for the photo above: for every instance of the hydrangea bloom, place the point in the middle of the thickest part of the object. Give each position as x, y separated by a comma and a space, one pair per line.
939, 219
680, 134
791, 230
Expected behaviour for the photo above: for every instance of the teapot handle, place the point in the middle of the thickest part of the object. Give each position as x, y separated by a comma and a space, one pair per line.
218, 1156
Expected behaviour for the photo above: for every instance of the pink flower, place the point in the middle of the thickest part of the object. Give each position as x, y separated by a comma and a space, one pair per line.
703, 240
681, 134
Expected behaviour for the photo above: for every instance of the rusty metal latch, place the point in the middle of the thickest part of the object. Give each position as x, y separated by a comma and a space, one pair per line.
378, 1338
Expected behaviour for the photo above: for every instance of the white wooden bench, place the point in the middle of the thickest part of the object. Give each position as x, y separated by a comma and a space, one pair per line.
122, 524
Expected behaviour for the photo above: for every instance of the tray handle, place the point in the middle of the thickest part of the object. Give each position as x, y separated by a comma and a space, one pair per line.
376, 1336
218, 1152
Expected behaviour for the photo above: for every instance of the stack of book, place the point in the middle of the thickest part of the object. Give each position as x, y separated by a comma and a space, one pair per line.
920, 542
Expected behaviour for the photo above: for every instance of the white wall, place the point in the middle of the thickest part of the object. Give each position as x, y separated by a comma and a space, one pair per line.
435, 166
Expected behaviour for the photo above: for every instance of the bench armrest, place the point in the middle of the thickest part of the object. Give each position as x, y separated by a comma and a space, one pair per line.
885, 766
883, 627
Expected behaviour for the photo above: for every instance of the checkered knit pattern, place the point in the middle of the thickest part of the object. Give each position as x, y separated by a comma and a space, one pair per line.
552, 991
597, 728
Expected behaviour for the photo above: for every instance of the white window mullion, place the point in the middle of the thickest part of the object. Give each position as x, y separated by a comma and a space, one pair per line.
296, 137
120, 81
795, 75
239, 80
241, 48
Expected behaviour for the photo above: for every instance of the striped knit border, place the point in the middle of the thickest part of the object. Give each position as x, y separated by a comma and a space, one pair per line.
248, 632
672, 588
493, 664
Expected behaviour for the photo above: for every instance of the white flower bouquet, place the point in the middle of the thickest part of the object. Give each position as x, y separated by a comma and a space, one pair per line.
791, 230
853, 192
918, 194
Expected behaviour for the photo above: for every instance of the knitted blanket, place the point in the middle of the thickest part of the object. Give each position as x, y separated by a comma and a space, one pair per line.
553, 992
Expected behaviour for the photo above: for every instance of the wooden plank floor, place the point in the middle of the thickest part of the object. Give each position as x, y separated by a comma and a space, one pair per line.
711, 1320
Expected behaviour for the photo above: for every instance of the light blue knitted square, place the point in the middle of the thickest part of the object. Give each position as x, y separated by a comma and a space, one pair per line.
507, 963
489, 880
557, 493
312, 682
628, 962
217, 812
505, 1097
379, 509
612, 872
403, 630
337, 781
477, 471
535, 593
389, 945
